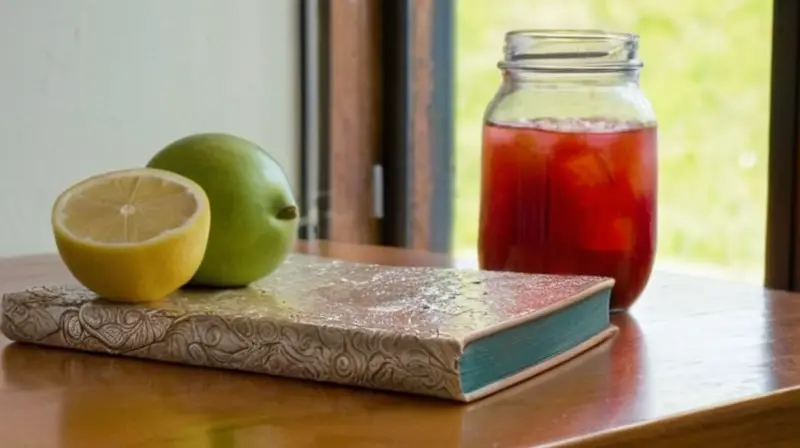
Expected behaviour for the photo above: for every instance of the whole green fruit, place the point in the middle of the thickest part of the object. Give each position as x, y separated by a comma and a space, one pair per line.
254, 217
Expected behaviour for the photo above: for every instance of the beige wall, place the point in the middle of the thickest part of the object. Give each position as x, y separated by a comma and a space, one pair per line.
90, 85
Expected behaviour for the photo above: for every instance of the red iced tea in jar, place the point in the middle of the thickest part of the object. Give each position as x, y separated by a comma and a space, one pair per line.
571, 197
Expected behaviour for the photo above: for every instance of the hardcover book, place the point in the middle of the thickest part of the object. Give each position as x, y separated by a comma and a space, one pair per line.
447, 333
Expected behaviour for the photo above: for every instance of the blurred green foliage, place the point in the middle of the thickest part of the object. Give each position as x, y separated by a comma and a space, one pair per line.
707, 72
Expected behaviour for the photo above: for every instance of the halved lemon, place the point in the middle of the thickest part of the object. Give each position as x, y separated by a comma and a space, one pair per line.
134, 235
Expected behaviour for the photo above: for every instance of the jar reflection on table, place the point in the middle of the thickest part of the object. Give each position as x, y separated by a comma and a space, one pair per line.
569, 169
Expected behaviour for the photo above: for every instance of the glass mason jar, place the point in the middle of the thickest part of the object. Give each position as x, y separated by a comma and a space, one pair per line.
569, 161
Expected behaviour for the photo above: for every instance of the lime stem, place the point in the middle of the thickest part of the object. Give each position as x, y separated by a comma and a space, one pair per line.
288, 213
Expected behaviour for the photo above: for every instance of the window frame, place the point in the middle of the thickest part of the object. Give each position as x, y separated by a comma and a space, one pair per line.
782, 266
378, 122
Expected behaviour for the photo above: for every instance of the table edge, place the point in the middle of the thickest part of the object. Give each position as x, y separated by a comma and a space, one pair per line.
761, 419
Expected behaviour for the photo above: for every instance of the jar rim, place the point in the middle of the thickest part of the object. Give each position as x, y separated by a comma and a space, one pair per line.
571, 51
574, 33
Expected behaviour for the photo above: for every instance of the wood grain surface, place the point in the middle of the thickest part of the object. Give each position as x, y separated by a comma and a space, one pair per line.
697, 363
354, 119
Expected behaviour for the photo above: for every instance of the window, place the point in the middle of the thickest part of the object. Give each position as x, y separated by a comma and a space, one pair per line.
394, 94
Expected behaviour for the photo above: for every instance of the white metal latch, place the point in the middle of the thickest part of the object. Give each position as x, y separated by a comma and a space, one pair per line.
377, 191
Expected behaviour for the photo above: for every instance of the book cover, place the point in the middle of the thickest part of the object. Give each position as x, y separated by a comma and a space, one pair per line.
447, 333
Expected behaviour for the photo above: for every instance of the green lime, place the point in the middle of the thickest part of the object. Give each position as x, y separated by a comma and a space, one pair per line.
254, 216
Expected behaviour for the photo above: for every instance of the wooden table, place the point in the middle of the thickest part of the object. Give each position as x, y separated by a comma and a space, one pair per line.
697, 363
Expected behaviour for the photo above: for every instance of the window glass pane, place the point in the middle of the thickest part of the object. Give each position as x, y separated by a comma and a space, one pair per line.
707, 72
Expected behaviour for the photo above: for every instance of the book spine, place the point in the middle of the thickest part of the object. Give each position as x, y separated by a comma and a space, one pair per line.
375, 360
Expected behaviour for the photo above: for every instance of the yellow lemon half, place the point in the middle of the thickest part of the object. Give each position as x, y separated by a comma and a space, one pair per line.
133, 235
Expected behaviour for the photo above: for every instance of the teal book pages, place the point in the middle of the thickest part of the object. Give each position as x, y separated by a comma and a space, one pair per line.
453, 334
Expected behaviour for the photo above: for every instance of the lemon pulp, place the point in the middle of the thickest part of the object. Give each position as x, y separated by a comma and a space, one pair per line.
132, 235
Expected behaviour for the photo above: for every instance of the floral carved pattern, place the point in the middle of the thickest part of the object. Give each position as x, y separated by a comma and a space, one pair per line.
66, 318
